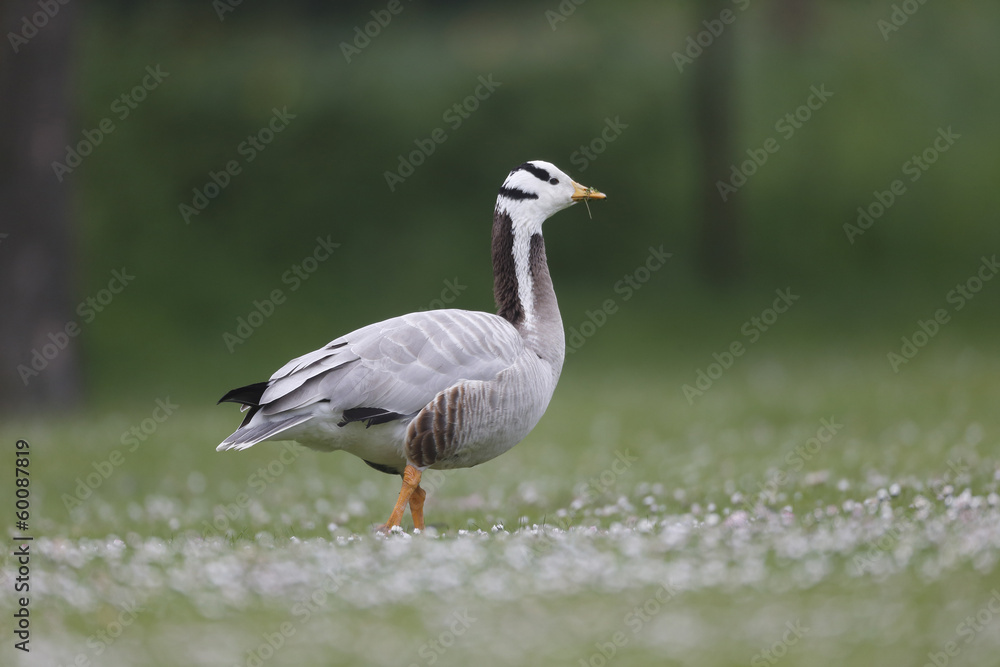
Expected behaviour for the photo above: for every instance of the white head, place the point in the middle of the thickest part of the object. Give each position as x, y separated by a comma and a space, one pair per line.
538, 189
530, 194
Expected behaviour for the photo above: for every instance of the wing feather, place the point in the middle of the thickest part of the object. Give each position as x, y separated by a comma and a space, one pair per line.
398, 365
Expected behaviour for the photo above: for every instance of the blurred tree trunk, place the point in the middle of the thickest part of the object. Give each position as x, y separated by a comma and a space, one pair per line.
720, 238
39, 366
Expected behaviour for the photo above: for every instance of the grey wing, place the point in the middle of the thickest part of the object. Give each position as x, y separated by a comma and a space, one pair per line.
383, 371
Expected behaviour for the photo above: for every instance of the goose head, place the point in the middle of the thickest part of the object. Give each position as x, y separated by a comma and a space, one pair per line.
537, 190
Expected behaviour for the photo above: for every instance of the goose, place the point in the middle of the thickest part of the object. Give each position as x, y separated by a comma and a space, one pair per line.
439, 389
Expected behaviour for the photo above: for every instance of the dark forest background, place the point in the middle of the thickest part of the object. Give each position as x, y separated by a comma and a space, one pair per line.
670, 117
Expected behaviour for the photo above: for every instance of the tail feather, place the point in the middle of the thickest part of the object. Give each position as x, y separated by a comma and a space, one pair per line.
248, 436
249, 396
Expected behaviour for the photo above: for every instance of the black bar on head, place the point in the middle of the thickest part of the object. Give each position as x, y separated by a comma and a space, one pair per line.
516, 194
537, 172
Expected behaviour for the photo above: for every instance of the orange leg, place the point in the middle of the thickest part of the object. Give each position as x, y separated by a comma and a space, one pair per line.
417, 507
411, 483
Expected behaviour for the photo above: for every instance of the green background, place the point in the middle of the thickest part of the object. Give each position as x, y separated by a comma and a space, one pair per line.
551, 546
324, 175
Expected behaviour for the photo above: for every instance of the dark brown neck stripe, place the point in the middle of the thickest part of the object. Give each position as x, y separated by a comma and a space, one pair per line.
504, 271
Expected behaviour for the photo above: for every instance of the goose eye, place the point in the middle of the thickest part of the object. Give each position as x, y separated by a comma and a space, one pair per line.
554, 181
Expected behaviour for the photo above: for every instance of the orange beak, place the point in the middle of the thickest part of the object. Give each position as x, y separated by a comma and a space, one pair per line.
583, 192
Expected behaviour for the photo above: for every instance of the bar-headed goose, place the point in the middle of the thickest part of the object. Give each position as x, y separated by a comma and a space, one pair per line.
436, 389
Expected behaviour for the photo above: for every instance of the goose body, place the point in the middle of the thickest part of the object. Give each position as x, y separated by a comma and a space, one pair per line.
436, 389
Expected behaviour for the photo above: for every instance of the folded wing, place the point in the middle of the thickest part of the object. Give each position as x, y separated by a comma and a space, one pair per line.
383, 371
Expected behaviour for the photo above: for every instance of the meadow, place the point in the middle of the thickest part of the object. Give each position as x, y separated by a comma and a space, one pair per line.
797, 467
811, 508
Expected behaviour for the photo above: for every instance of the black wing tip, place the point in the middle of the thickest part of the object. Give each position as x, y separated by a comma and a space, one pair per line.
248, 395
370, 416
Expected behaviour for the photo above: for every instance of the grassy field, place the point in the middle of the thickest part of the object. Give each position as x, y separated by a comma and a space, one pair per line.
811, 508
